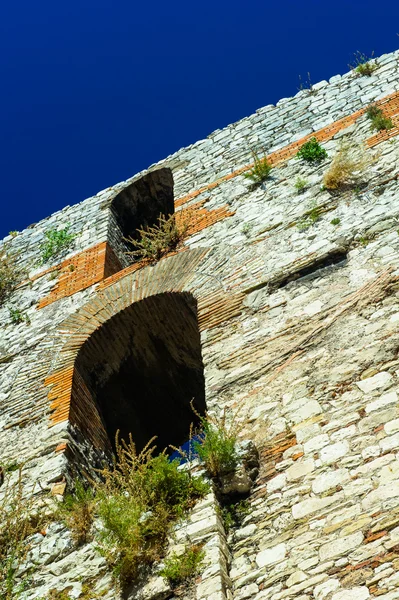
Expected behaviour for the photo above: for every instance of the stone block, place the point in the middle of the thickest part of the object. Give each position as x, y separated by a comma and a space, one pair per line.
330, 454
383, 492
313, 505
300, 469
356, 593
373, 383
329, 479
271, 556
384, 400
340, 546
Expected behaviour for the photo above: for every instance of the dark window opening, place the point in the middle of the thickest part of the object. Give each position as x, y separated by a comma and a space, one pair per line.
140, 204
143, 367
320, 267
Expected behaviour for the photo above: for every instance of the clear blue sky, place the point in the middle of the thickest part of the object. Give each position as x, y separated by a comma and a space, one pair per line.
94, 91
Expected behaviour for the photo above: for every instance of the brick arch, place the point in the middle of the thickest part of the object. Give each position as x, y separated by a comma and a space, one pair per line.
177, 274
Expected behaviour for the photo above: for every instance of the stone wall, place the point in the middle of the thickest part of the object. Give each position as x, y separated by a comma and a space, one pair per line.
299, 333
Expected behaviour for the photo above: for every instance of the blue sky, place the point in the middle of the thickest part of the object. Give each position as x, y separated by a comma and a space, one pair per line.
94, 91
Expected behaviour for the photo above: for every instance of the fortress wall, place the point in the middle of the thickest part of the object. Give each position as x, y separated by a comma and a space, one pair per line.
298, 323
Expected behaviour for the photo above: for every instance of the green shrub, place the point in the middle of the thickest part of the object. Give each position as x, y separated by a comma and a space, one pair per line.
311, 151
137, 502
300, 184
156, 241
363, 64
9, 274
378, 121
77, 511
56, 241
179, 569
373, 111
260, 171
216, 446
335, 221
17, 316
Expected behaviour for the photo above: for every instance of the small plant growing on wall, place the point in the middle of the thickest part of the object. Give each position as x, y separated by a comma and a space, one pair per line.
180, 569
17, 316
363, 64
156, 241
16, 524
260, 170
9, 274
137, 502
347, 168
310, 218
57, 240
305, 84
77, 512
300, 185
234, 513
378, 121
216, 446
246, 229
312, 152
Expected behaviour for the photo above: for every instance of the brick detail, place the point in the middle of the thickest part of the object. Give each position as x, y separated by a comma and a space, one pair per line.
385, 134
82, 271
199, 218
59, 394
99, 263
390, 108
84, 414
217, 308
176, 274
389, 104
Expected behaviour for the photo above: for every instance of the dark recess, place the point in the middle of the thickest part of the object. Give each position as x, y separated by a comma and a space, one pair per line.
144, 366
316, 269
141, 203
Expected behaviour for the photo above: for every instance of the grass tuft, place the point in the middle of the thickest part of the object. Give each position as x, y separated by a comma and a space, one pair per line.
56, 241
17, 522
180, 569
217, 444
378, 121
363, 65
347, 168
77, 511
260, 171
300, 184
156, 241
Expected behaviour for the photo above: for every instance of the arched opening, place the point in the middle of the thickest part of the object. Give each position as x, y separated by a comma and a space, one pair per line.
141, 369
141, 203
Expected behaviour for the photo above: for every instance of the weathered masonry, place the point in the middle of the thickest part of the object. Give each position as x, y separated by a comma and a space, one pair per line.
288, 314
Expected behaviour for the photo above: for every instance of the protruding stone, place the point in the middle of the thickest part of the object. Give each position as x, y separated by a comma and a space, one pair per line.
340, 546
271, 555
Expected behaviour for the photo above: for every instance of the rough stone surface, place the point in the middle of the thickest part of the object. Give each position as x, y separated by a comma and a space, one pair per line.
298, 318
